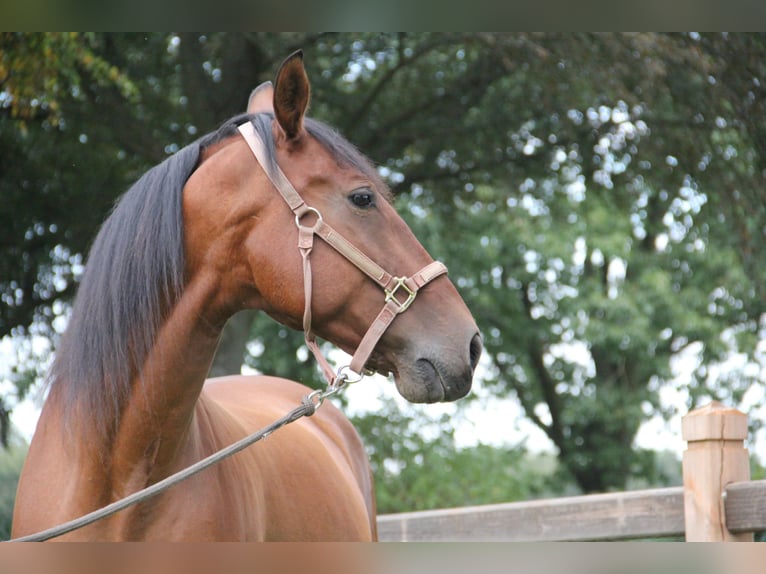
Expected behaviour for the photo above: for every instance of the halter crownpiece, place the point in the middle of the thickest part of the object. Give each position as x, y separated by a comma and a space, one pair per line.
400, 292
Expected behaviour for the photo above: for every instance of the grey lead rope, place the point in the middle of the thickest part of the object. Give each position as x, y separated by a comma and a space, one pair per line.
308, 407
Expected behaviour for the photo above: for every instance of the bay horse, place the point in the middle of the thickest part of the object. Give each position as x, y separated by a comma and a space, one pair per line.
196, 239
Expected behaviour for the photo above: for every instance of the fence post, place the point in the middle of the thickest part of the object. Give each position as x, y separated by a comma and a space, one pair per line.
715, 457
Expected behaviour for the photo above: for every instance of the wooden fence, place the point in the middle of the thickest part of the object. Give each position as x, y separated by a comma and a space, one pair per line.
717, 502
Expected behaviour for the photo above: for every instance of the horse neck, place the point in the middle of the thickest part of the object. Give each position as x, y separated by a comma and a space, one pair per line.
155, 421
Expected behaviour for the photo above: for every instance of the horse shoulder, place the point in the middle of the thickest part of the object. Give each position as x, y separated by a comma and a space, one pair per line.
294, 463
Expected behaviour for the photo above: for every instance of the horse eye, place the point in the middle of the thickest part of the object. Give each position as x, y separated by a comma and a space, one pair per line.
362, 198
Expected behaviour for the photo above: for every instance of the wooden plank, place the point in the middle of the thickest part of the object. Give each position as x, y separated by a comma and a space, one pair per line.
745, 505
615, 516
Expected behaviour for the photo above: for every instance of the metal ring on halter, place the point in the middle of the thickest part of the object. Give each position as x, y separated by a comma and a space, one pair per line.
298, 217
346, 380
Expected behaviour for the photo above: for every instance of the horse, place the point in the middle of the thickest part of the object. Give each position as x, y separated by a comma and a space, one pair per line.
208, 232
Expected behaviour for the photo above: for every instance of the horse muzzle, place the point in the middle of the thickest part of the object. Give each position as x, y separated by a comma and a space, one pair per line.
433, 379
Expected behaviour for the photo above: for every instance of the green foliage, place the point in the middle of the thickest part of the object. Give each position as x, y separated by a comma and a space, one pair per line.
418, 466
11, 461
590, 257
279, 350
38, 71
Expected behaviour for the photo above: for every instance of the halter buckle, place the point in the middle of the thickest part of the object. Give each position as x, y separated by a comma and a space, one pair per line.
390, 294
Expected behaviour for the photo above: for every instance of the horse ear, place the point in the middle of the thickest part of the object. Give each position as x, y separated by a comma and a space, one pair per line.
261, 99
291, 95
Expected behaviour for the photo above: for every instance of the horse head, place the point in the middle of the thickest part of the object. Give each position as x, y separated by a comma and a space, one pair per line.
330, 237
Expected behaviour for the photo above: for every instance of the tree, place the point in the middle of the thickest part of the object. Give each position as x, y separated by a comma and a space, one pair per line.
597, 197
11, 460
418, 465
42, 237
590, 248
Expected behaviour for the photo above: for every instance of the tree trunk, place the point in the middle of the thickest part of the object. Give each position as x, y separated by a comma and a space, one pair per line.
233, 346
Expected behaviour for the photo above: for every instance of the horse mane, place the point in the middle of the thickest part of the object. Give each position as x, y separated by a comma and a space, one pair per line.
135, 275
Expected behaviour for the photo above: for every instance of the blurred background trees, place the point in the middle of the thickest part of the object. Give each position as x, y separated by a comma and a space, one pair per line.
600, 200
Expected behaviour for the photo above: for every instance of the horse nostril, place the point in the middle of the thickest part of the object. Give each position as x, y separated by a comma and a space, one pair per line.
475, 350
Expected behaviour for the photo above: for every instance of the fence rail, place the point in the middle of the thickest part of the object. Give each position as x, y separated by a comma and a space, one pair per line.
717, 502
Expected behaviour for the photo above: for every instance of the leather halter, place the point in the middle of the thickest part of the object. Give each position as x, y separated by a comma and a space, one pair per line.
400, 292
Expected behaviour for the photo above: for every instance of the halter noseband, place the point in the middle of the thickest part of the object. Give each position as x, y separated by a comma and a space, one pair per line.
400, 292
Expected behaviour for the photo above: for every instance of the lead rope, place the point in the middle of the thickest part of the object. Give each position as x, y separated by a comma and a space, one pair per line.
309, 405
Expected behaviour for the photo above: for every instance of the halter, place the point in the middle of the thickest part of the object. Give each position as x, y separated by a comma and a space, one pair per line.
399, 292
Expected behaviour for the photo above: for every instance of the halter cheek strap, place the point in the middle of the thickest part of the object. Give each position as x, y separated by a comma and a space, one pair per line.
400, 292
